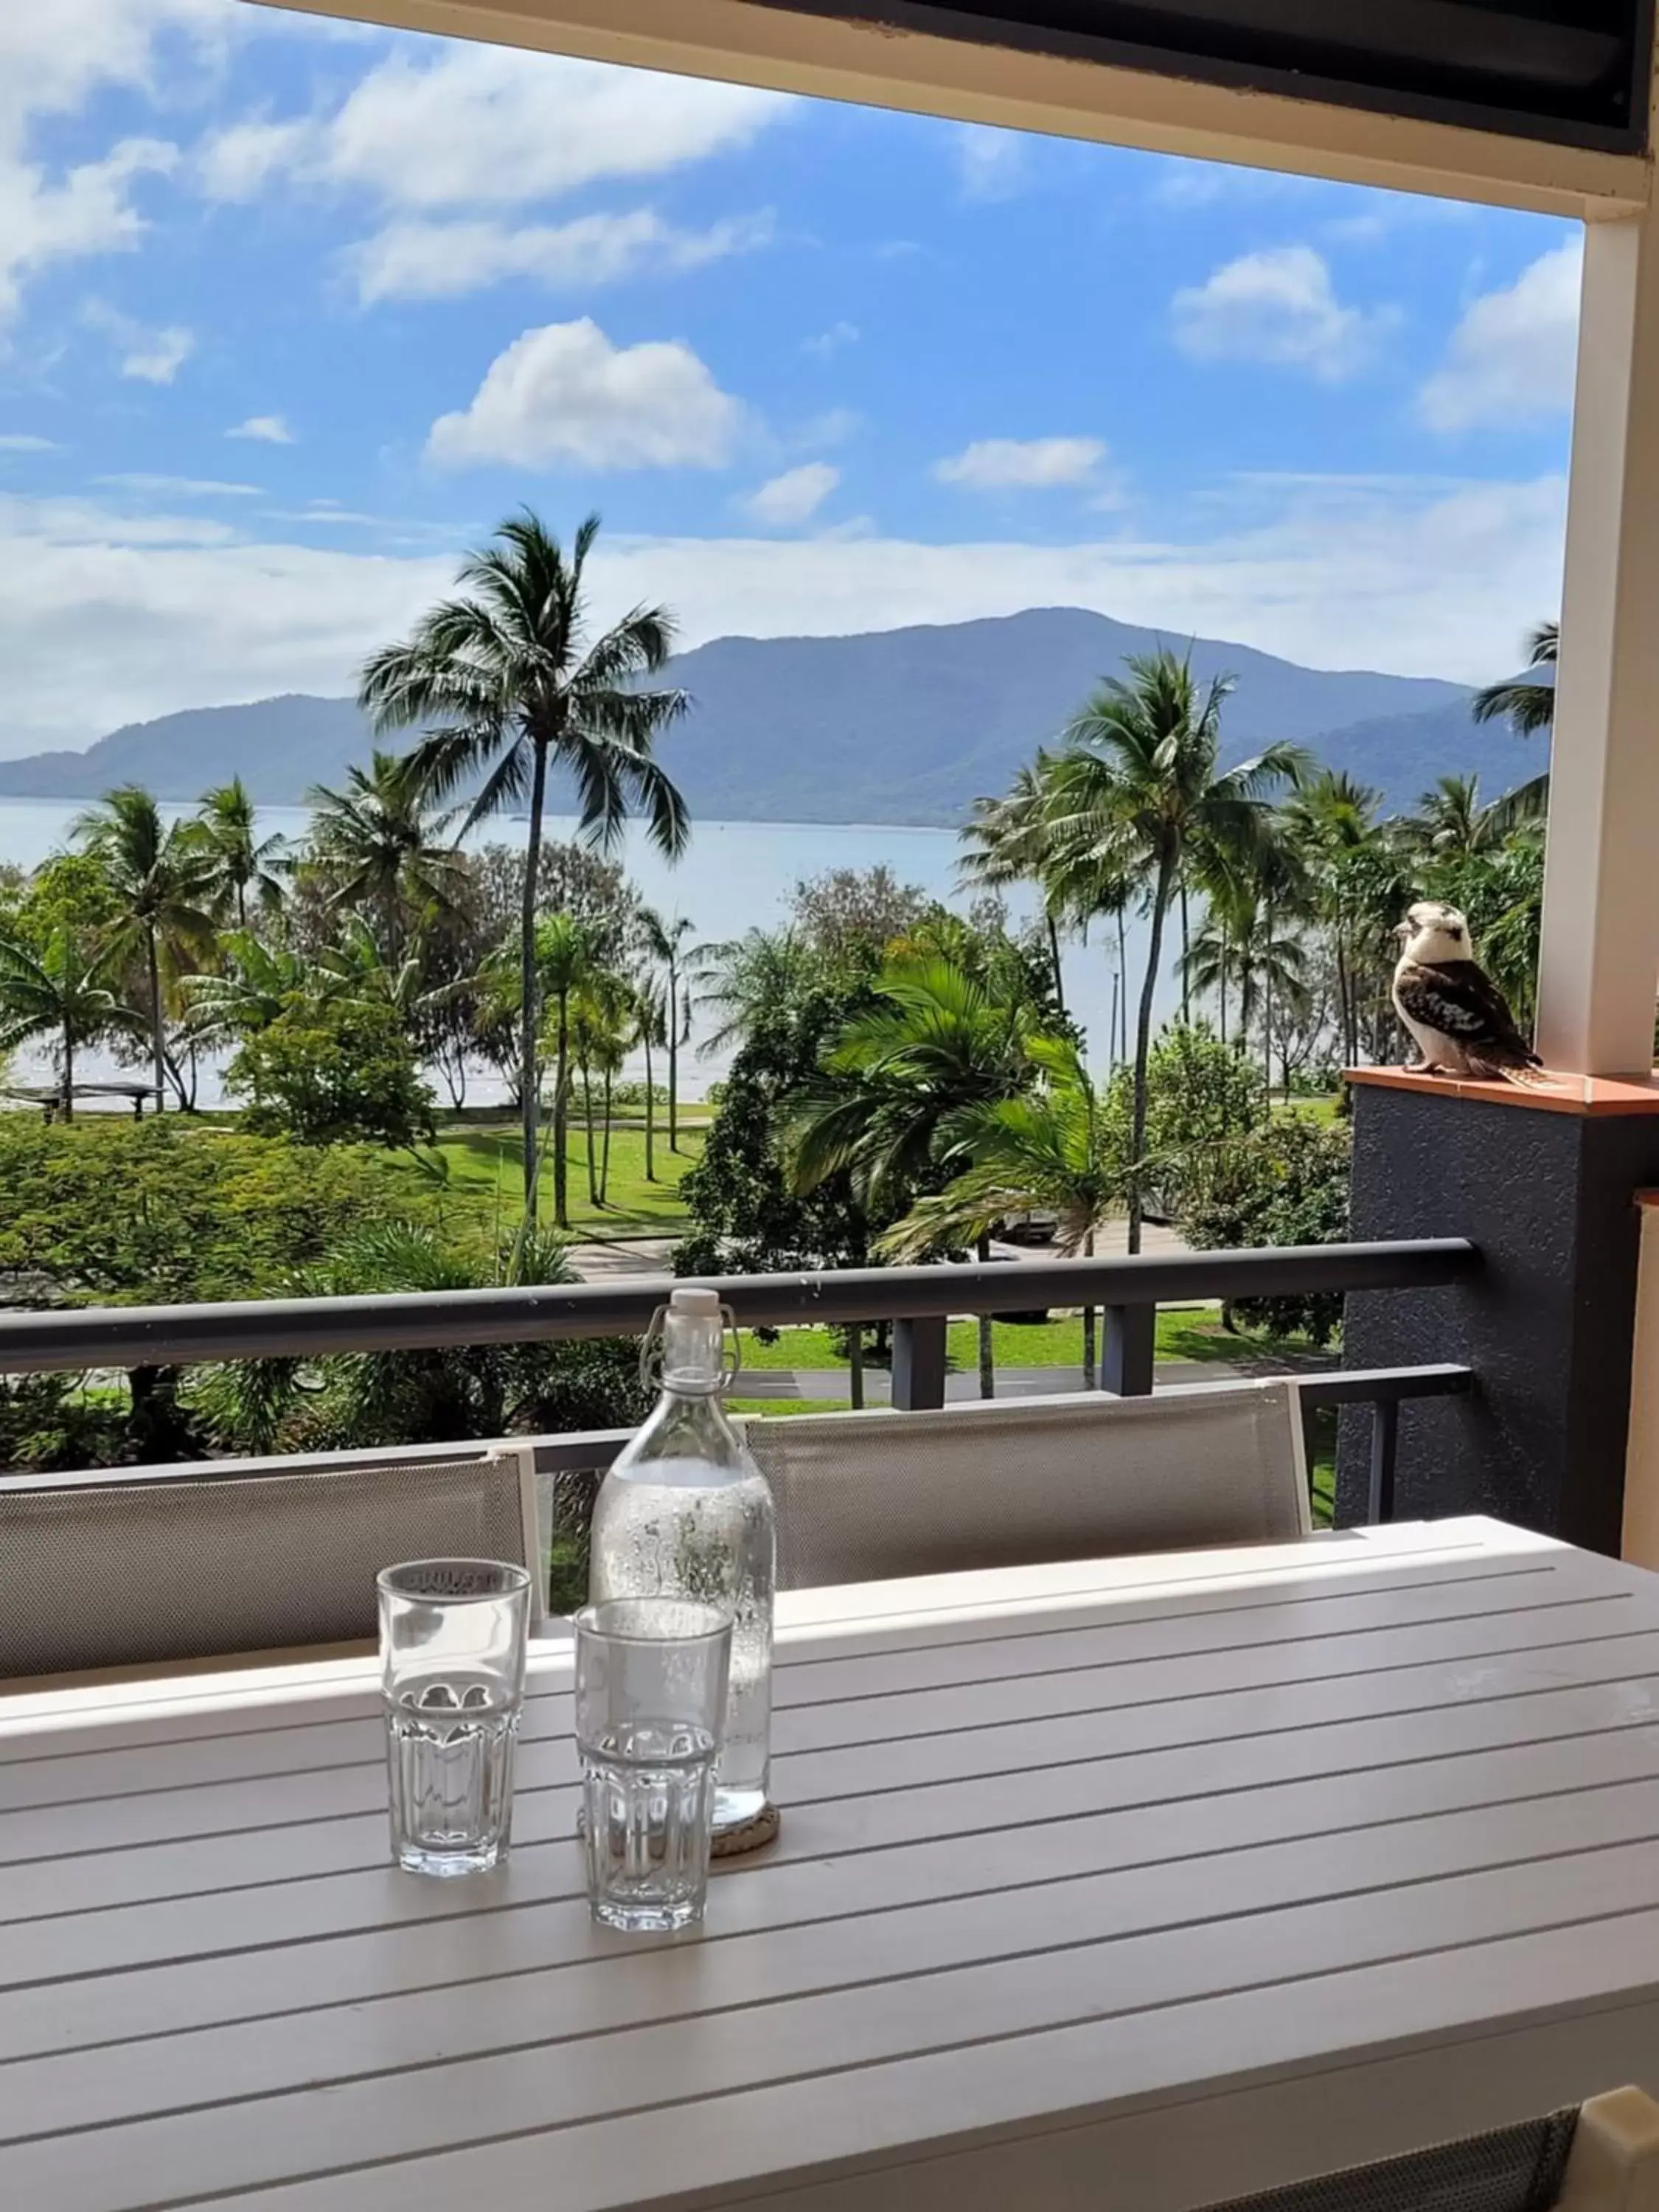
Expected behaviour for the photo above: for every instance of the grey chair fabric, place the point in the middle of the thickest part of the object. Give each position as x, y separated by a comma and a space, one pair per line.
1519, 2169
869, 1497
114, 1574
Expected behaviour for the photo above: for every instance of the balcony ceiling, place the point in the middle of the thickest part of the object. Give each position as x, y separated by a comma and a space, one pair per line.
1575, 72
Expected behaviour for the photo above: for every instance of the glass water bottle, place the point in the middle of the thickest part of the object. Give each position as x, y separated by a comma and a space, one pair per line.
685, 1512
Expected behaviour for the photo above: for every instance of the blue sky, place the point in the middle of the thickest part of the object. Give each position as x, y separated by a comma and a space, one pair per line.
291, 312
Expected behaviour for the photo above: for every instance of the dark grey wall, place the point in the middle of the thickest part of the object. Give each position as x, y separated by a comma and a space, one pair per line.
1546, 1326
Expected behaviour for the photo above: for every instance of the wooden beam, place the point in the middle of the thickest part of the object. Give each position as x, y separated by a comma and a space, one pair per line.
878, 66
1600, 925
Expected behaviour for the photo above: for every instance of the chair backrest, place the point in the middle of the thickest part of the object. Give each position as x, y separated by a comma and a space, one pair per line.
1015, 1482
1601, 2158
124, 1573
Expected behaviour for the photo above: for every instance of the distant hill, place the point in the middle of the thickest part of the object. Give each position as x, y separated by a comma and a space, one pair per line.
902, 725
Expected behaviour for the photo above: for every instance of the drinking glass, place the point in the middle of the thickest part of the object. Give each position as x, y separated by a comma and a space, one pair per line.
452, 1641
651, 1686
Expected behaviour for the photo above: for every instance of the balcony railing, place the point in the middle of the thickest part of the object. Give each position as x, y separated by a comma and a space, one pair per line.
918, 1301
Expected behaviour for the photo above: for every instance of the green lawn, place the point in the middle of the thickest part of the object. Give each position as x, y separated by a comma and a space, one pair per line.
484, 1170
1190, 1333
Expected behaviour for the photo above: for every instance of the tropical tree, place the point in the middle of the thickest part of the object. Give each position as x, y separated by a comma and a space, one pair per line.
1526, 701
564, 963
56, 994
382, 846
665, 943
240, 865
1050, 1150
508, 684
1138, 792
1527, 704
651, 1026
745, 980
1451, 822
161, 888
251, 989
1008, 842
1362, 883
893, 1102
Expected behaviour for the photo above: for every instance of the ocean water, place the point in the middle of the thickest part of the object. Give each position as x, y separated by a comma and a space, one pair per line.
735, 876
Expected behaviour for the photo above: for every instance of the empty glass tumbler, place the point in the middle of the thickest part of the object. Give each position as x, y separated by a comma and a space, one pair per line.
452, 1641
652, 1674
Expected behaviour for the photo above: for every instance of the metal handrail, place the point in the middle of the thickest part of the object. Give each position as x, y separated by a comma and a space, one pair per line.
64, 1340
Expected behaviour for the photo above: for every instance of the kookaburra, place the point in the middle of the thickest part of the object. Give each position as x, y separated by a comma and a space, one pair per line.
1457, 1014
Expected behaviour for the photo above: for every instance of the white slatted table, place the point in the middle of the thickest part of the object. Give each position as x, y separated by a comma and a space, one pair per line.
1131, 1884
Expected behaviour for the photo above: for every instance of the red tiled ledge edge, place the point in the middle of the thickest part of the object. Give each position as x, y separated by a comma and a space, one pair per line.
1553, 1093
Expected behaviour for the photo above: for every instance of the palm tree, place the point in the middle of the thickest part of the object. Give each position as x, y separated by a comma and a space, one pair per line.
1048, 1149
249, 993
160, 879
241, 864
381, 844
506, 682
57, 993
564, 961
1008, 842
747, 981
650, 1022
1138, 792
664, 942
1525, 702
1359, 888
898, 1083
1450, 823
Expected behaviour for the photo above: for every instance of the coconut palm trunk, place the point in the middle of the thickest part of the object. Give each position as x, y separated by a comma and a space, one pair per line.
157, 1037
68, 1071
605, 1156
561, 1117
1144, 1046
1053, 958
650, 1111
987, 1372
528, 1027
1089, 1323
673, 1054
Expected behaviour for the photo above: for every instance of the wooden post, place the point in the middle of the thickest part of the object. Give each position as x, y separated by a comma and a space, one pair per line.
1600, 925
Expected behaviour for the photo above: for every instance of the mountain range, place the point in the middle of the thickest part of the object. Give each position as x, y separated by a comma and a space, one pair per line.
904, 725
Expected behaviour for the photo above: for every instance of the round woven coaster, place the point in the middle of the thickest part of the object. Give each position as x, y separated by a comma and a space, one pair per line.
753, 1836
735, 1843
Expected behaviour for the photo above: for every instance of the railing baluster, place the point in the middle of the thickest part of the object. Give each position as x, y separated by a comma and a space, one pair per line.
1127, 1350
918, 1363
1385, 1440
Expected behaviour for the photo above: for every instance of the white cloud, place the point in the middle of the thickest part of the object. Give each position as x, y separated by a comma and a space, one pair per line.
22, 441
263, 430
788, 501
110, 618
183, 487
1022, 464
415, 260
564, 394
1277, 306
89, 210
1511, 358
831, 341
483, 126
53, 59
991, 164
154, 356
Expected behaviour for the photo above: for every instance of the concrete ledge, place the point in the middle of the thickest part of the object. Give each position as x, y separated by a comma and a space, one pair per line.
1596, 1095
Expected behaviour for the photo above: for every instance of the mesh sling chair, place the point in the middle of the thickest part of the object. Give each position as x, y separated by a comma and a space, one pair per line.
116, 1574
1026, 1482
1601, 2158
